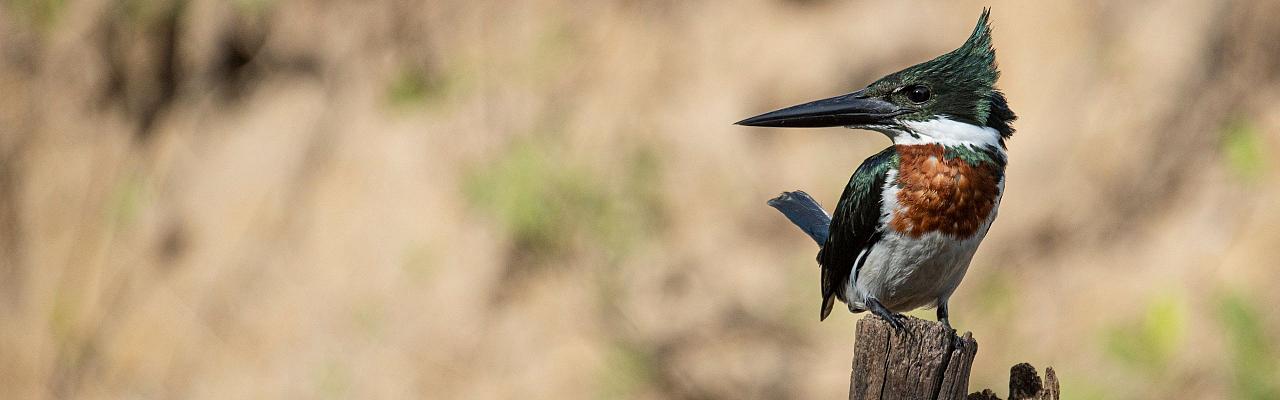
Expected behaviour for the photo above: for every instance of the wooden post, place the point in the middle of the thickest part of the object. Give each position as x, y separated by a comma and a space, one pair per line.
927, 362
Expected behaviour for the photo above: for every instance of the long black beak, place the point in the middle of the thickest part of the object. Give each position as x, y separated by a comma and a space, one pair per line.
853, 109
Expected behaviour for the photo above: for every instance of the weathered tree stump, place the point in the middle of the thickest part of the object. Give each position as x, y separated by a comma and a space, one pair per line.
928, 362
1025, 384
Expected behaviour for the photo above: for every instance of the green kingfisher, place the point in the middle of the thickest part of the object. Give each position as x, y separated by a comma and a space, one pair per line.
911, 216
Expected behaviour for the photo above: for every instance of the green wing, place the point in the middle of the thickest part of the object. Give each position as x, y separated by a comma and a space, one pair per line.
854, 227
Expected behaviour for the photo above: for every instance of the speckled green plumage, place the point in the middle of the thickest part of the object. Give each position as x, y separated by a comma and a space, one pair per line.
975, 155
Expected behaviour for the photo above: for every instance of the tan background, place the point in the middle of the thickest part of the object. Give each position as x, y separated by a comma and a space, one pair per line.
547, 199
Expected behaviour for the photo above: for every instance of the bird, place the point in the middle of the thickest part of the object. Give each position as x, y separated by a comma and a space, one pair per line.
912, 216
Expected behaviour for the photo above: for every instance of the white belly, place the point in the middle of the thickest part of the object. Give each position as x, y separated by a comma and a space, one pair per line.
908, 273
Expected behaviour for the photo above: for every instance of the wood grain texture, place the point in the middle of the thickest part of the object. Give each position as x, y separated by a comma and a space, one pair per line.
927, 362
923, 362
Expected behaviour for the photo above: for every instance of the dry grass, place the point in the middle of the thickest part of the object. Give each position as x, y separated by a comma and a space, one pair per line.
546, 199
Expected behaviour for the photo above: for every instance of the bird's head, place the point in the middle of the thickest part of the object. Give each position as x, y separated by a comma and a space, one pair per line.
951, 98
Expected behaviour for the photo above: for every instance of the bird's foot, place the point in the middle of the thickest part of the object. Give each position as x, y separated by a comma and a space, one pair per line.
943, 317
956, 342
894, 319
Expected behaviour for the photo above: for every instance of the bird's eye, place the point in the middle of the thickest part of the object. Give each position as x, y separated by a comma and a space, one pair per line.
917, 94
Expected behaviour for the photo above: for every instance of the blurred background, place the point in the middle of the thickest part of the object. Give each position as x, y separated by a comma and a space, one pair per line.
547, 199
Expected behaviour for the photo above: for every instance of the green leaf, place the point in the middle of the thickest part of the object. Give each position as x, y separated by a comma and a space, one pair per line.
1242, 150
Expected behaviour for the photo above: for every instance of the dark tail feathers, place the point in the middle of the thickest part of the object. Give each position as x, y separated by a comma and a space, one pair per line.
827, 302
806, 213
